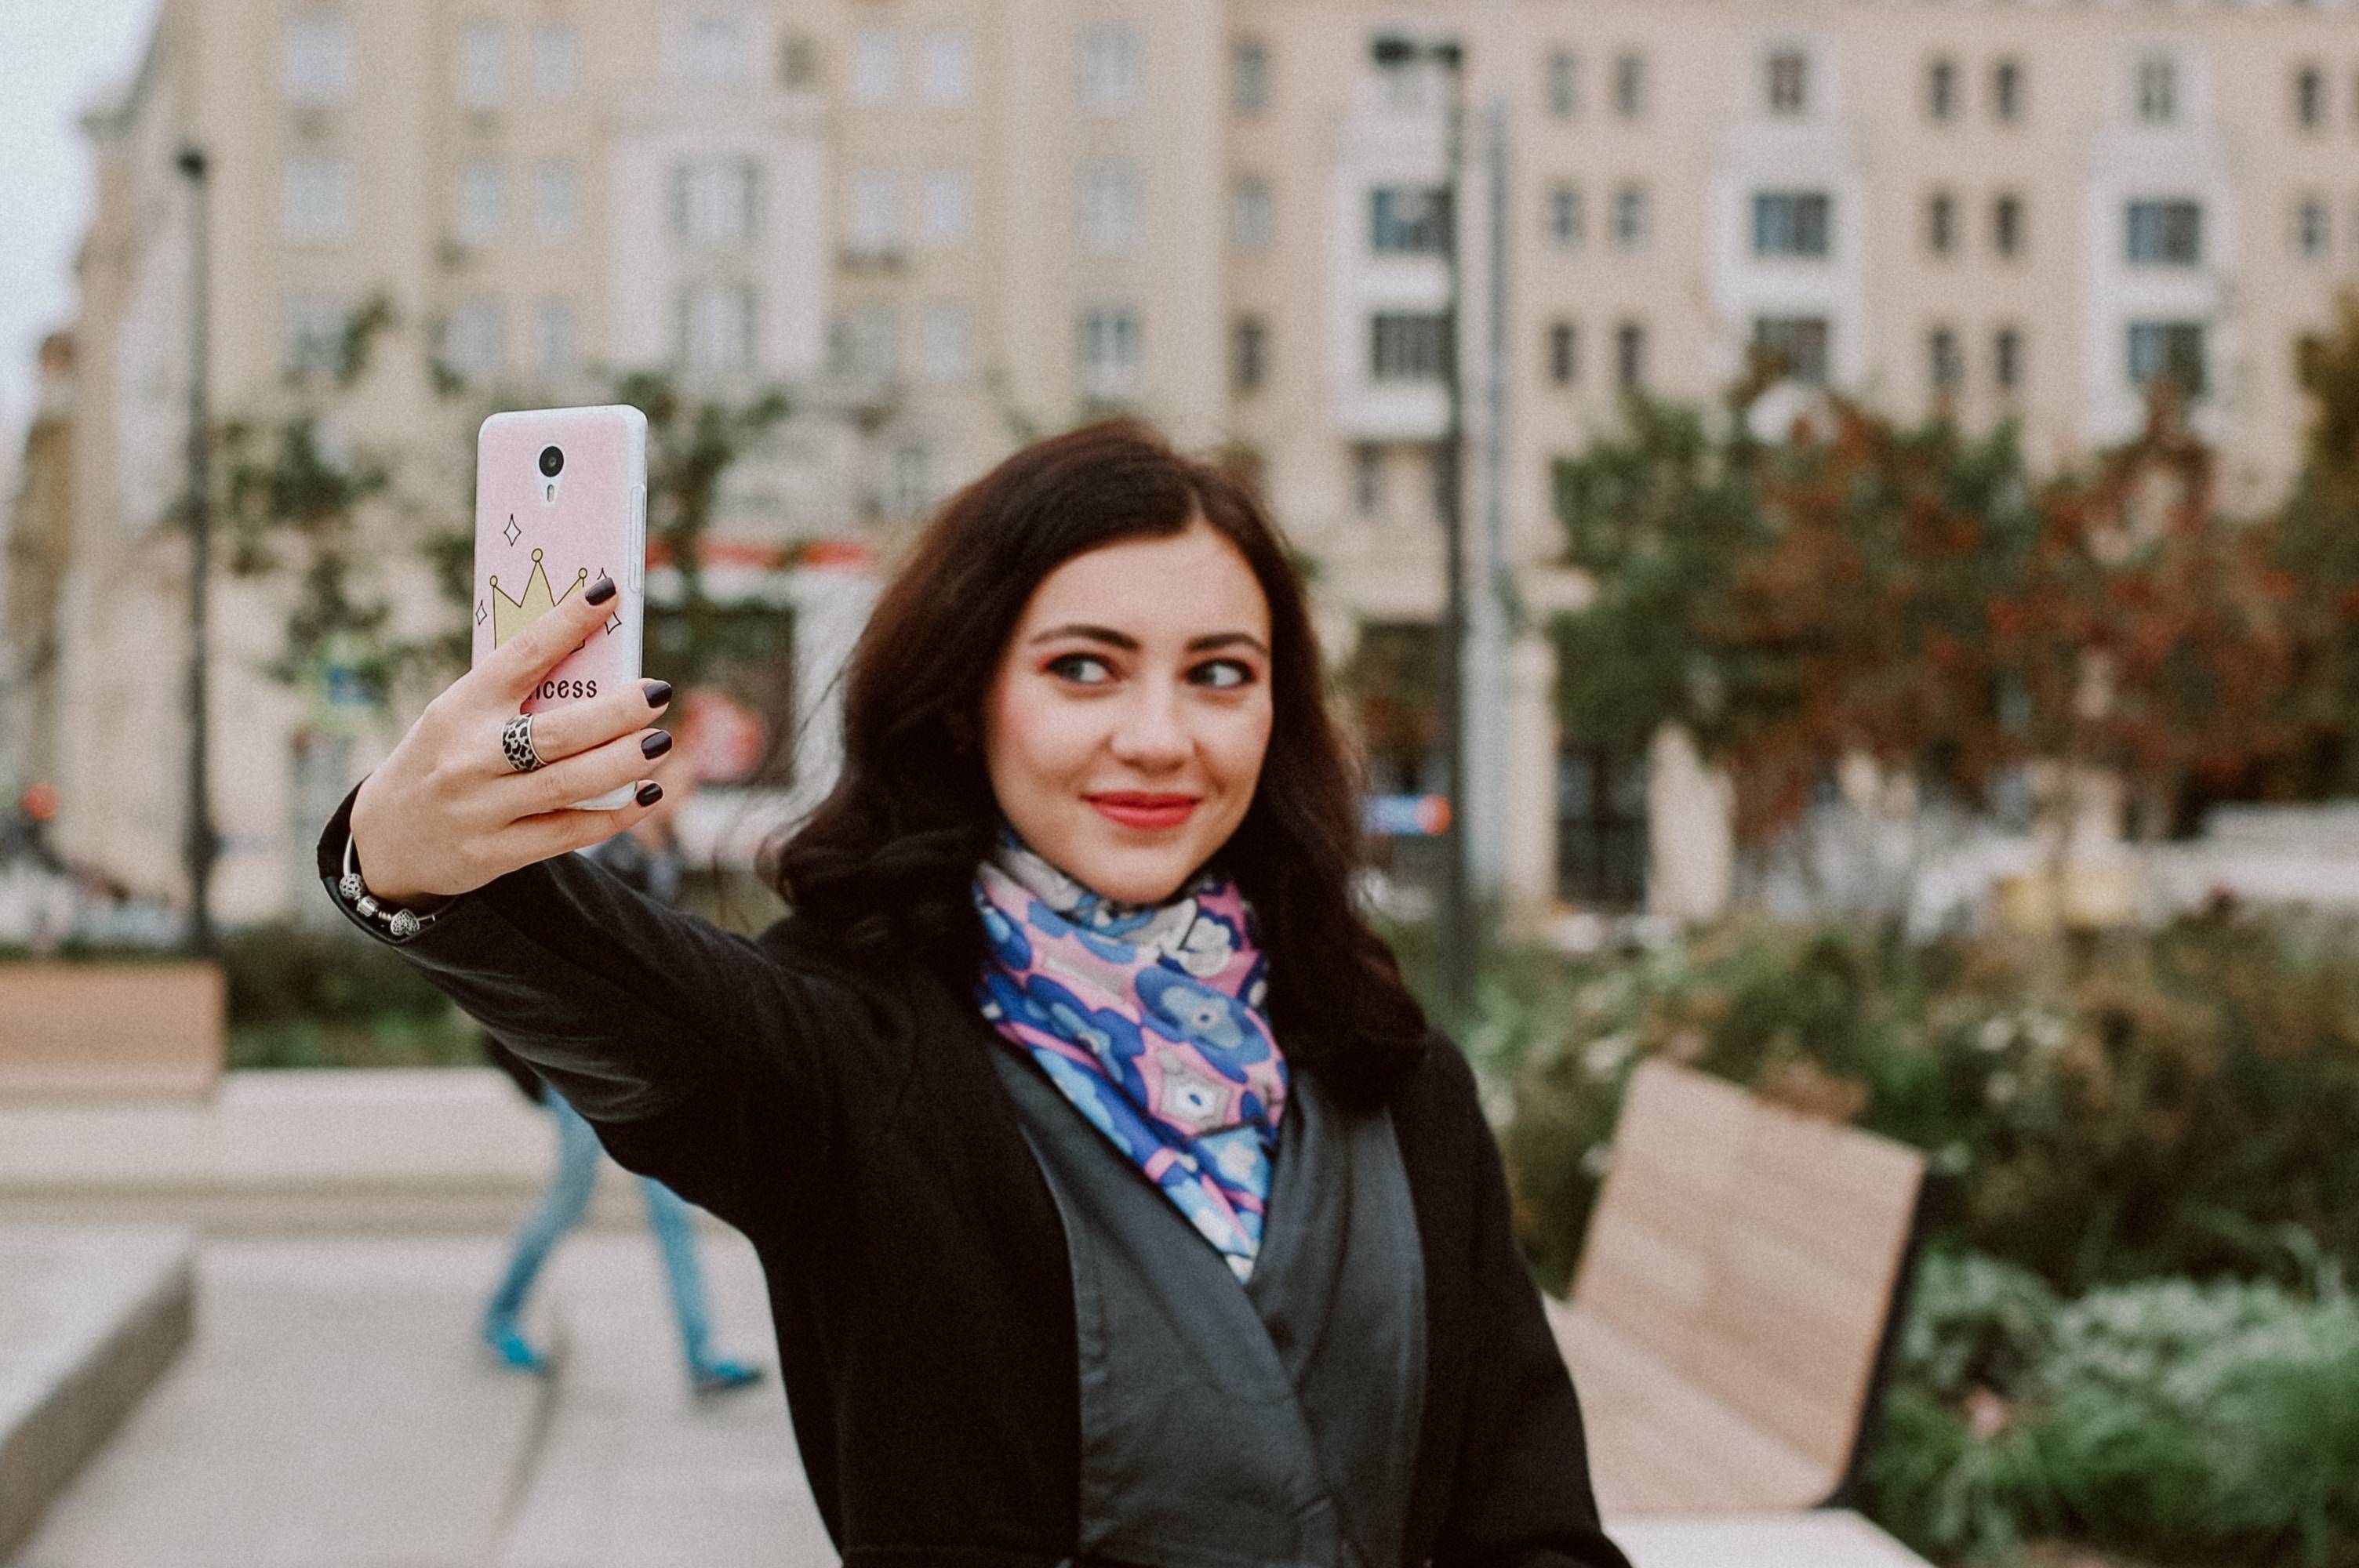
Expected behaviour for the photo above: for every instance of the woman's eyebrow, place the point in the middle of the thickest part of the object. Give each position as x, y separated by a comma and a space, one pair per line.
1129, 645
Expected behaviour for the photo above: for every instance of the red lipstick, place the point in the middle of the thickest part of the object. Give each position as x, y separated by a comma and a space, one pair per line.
1150, 811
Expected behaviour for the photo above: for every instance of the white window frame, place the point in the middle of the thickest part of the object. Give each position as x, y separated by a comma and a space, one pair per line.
482, 65
946, 342
718, 326
556, 61
2314, 228
1109, 351
315, 57
475, 339
1109, 208
315, 200
1252, 214
1560, 84
871, 212
1633, 217
2156, 88
1787, 223
716, 201
947, 205
1109, 67
717, 48
875, 66
1785, 83
311, 334
556, 343
480, 215
1249, 77
556, 199
946, 68
1567, 217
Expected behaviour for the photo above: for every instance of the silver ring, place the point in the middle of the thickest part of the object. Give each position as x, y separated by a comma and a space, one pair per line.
516, 742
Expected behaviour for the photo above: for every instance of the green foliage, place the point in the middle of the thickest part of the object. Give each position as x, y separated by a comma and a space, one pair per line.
304, 996
2211, 1422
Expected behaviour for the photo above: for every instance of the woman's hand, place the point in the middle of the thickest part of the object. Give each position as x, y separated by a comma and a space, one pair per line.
447, 814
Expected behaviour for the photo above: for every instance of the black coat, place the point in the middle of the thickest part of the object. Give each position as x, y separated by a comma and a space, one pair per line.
851, 1125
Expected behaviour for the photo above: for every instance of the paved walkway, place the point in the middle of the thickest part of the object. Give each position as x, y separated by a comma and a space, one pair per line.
335, 1412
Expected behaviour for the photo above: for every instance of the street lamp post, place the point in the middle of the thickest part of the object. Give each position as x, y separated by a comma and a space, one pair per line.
200, 845
1395, 52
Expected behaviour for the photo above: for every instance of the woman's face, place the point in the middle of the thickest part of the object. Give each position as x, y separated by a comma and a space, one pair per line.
1125, 726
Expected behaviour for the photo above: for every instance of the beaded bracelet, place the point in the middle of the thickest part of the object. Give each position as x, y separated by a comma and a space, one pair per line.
401, 924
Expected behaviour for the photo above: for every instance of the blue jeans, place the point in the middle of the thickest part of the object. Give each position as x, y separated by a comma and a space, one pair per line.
560, 1209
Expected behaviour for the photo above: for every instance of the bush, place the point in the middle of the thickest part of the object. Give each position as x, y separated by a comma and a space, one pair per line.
2146, 1105
306, 996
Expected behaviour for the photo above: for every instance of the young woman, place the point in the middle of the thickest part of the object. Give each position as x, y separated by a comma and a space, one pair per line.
1117, 1202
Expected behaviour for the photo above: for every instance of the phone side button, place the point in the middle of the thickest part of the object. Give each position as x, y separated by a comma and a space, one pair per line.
638, 535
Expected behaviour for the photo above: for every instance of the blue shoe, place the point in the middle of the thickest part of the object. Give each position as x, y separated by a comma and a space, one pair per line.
721, 1377
507, 1342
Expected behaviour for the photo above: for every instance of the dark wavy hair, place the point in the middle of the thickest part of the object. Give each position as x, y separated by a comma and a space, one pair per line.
884, 864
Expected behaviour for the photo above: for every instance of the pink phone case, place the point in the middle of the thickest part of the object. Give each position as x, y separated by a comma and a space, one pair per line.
541, 537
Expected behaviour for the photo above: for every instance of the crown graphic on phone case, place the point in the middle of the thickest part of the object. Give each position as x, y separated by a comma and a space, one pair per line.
510, 616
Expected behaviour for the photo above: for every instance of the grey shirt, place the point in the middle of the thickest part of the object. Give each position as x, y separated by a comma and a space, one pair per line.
1271, 1424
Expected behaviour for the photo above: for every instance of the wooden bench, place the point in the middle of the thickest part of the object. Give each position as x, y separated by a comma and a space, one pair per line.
110, 1031
1738, 1293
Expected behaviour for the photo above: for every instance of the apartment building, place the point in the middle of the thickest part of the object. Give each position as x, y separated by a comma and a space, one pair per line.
946, 224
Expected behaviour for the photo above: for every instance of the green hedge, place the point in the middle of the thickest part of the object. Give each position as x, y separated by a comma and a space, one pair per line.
326, 996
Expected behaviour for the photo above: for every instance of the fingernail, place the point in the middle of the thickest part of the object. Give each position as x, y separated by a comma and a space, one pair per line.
602, 591
650, 794
657, 744
658, 693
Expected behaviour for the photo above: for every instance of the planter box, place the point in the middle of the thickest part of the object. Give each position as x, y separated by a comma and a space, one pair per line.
108, 1030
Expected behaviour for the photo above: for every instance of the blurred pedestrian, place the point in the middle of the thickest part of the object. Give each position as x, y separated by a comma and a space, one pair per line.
647, 858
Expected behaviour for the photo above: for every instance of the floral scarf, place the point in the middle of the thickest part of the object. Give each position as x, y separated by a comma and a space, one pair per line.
1148, 1018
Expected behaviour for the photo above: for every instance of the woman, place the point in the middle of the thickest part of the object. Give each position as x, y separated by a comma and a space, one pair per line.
1071, 1001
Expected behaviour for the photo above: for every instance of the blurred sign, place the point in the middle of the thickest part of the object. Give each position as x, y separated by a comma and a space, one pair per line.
1407, 816
725, 737
344, 697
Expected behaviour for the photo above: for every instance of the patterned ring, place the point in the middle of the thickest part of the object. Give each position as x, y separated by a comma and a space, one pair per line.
515, 743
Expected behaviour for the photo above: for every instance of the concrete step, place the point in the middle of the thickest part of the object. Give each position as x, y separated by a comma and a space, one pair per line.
89, 1321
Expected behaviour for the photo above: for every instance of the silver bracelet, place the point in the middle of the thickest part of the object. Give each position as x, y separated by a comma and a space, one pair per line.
401, 924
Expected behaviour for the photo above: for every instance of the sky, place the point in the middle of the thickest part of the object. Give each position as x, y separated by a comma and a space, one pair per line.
55, 56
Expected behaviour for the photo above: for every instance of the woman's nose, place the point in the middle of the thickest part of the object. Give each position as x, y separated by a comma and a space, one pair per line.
1151, 731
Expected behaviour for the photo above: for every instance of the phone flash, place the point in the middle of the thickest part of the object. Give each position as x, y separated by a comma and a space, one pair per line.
548, 493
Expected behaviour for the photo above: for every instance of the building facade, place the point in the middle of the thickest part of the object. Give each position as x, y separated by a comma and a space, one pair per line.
945, 225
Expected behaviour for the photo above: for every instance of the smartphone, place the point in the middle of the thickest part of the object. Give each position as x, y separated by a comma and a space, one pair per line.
560, 501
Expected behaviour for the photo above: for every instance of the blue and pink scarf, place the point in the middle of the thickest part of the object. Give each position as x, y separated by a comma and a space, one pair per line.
1148, 1018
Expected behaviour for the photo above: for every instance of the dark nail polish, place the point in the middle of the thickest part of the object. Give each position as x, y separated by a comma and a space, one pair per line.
602, 591
650, 794
658, 693
657, 744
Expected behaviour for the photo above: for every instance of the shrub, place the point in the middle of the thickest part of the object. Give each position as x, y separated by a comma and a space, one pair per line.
319, 996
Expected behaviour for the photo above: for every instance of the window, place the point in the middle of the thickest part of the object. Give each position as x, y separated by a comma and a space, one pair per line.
1630, 356
1109, 208
1941, 223
1788, 83
946, 342
1563, 354
1792, 222
715, 201
2006, 358
798, 63
475, 339
482, 65
1405, 218
556, 199
875, 66
1367, 479
2309, 98
949, 200
1563, 83
2168, 348
2006, 92
1945, 367
482, 202
716, 327
315, 58
2007, 224
2311, 229
315, 198
1600, 826
1566, 220
875, 211
1109, 351
554, 353
1248, 77
909, 489
2167, 234
1108, 61
312, 335
1942, 90
946, 68
2158, 90
1630, 85
1630, 218
1253, 217
716, 50
866, 342
556, 59
1405, 347
1797, 345
1249, 354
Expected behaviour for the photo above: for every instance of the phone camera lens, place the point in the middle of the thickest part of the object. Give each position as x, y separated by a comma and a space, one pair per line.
552, 461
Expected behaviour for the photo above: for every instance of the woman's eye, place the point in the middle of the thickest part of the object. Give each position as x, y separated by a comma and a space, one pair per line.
1224, 674
1072, 665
